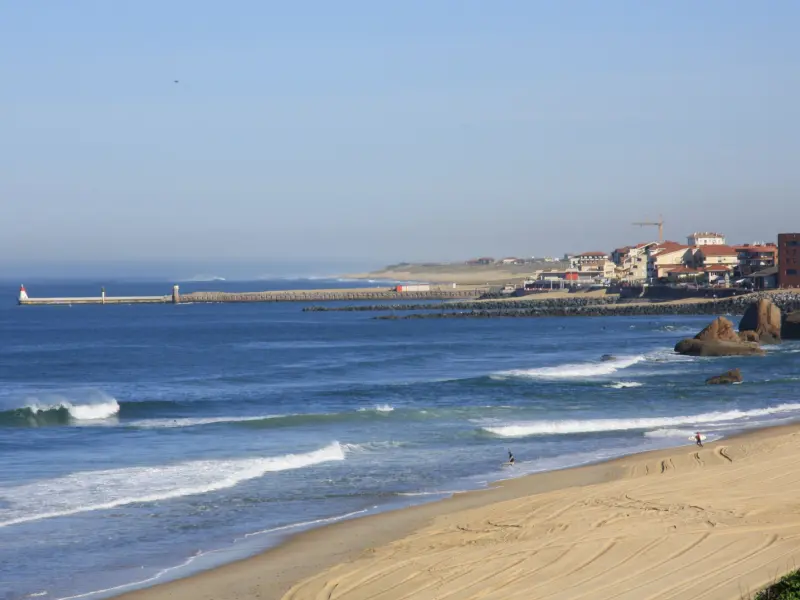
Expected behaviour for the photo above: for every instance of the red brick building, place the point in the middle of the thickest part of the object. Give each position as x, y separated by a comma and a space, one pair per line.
789, 260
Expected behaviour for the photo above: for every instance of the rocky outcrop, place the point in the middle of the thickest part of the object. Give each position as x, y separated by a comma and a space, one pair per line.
720, 330
764, 318
732, 376
695, 347
749, 336
719, 338
790, 329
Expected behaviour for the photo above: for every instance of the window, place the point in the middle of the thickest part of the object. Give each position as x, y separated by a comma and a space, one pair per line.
791, 271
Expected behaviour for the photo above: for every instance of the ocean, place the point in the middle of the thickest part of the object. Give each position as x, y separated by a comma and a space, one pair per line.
144, 443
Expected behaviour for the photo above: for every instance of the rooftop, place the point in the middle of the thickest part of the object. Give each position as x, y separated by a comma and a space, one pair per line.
718, 250
706, 234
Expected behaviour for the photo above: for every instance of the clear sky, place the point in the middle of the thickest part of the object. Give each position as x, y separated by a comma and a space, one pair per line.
396, 130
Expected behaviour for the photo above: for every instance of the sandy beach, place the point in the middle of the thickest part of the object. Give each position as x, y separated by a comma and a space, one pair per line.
717, 522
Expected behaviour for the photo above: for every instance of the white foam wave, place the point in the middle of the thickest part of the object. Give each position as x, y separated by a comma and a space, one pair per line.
576, 370
370, 446
306, 523
618, 385
531, 428
379, 408
669, 433
80, 412
191, 422
88, 491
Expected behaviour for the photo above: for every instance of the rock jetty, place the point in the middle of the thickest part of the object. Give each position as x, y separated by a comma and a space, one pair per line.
572, 307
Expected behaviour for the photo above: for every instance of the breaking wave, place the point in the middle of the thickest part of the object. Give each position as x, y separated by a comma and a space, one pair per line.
531, 428
670, 433
89, 491
378, 408
574, 370
618, 385
57, 410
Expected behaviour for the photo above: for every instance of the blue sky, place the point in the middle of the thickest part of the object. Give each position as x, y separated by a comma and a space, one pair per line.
390, 130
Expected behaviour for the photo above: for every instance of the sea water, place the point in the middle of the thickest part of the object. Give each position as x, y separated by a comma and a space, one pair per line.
142, 443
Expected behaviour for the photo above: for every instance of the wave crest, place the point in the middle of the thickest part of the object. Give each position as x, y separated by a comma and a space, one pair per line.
571, 426
57, 410
89, 491
574, 370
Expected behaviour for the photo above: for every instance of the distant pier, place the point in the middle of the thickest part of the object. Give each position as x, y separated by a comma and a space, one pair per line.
442, 293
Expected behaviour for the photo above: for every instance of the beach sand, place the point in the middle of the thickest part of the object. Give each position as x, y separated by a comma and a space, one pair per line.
718, 522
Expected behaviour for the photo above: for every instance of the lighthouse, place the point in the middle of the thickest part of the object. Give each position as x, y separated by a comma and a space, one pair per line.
23, 295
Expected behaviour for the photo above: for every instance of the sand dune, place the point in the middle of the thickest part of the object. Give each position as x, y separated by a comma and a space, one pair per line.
711, 523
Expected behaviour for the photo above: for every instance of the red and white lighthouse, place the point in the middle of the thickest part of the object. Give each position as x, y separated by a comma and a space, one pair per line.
23, 295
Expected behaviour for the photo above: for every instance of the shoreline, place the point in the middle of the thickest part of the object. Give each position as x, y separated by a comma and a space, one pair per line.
311, 553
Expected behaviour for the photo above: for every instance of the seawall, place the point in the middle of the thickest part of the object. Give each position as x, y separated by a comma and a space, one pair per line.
589, 307
357, 294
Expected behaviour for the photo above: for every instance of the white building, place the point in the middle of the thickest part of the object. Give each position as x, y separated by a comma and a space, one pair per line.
706, 238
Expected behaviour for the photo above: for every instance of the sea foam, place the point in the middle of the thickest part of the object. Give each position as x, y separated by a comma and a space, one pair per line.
531, 428
585, 370
88, 491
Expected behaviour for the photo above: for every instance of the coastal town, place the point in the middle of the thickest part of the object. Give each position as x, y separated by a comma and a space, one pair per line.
706, 259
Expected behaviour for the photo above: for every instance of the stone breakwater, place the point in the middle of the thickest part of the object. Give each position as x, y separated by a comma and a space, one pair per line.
570, 307
471, 305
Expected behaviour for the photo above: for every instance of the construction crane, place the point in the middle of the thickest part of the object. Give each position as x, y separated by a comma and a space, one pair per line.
659, 224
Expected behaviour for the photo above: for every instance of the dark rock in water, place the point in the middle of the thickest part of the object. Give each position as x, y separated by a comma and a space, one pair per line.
790, 329
695, 347
764, 318
607, 357
732, 376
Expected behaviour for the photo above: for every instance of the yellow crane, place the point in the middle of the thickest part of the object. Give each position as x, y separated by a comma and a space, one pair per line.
659, 224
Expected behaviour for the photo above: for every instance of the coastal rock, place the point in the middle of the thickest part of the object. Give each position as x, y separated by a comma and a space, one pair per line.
790, 329
732, 376
749, 336
696, 347
720, 330
607, 357
764, 318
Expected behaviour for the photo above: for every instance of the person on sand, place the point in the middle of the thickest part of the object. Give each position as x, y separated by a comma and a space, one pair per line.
510, 458
698, 440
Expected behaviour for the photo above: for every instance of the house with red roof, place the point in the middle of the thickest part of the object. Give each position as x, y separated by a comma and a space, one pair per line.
716, 255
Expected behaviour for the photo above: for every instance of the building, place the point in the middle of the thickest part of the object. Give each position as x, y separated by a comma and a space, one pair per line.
666, 256
706, 238
511, 260
633, 263
789, 260
756, 257
485, 260
766, 279
716, 255
619, 255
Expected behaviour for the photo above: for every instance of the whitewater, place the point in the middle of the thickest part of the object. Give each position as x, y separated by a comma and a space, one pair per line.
142, 443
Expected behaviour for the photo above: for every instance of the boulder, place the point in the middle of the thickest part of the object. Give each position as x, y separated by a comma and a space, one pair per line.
790, 329
720, 330
764, 318
697, 347
749, 336
732, 376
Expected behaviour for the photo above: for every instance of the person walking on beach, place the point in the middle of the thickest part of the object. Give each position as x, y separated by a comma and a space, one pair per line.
698, 439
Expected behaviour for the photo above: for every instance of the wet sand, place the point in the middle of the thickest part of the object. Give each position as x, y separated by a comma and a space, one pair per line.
711, 523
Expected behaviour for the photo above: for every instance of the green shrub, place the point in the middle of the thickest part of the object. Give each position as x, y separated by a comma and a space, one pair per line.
788, 588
